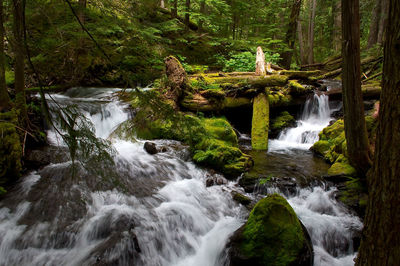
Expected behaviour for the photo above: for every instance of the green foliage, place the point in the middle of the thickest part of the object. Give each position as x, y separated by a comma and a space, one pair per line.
283, 120
273, 234
244, 62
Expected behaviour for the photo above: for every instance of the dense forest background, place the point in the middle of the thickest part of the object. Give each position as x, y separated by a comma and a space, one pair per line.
204, 34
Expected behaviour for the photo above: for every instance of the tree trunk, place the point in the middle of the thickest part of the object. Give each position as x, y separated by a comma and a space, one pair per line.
383, 21
81, 11
291, 34
380, 244
337, 26
374, 27
162, 4
303, 60
18, 47
174, 10
5, 102
311, 27
354, 121
187, 15
202, 12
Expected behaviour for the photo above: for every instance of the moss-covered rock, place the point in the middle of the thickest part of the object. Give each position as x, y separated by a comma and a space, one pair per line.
213, 141
280, 122
240, 198
10, 148
273, 235
260, 123
297, 89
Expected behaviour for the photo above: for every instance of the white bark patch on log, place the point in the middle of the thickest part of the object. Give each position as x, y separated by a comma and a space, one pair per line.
260, 62
162, 5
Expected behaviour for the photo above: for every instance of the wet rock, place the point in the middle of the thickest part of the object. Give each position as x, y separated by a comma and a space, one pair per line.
47, 155
273, 235
209, 182
150, 147
215, 180
240, 198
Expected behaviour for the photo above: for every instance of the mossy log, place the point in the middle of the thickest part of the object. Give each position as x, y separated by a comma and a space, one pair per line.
293, 74
260, 122
371, 90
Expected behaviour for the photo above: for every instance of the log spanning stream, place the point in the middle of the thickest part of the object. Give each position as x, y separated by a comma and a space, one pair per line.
158, 211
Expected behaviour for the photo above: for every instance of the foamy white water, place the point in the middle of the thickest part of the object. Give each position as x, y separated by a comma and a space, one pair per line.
315, 117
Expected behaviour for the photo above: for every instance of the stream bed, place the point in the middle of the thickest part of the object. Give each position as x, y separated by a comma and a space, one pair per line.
156, 209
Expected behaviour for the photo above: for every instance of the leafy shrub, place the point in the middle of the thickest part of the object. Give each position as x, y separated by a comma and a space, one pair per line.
245, 62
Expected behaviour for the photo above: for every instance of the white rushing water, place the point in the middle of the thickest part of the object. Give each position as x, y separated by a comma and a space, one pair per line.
170, 218
157, 211
315, 117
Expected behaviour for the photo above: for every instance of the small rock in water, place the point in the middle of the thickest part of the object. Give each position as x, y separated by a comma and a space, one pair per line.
150, 147
210, 182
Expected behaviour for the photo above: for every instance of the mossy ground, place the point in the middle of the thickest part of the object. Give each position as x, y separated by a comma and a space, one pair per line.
273, 234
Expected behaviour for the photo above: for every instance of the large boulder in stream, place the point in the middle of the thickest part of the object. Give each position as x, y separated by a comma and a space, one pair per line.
273, 235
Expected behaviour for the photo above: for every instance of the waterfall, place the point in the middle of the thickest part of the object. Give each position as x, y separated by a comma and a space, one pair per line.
156, 211
315, 117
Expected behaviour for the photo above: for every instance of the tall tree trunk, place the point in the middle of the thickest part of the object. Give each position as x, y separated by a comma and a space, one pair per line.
374, 26
203, 13
380, 244
18, 29
311, 27
187, 15
383, 21
291, 34
303, 59
354, 121
81, 11
337, 26
174, 10
5, 102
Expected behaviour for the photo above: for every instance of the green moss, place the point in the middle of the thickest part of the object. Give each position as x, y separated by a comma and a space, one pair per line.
278, 98
273, 234
213, 141
260, 123
233, 102
10, 77
10, 148
282, 121
296, 88
242, 199
342, 168
293, 74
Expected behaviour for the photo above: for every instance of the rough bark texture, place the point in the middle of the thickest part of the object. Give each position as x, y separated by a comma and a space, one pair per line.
260, 123
355, 128
260, 62
20, 99
291, 34
337, 26
374, 27
311, 26
176, 76
174, 10
187, 16
383, 21
81, 11
303, 59
381, 238
4, 98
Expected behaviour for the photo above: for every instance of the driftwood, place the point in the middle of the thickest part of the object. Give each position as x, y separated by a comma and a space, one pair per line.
373, 76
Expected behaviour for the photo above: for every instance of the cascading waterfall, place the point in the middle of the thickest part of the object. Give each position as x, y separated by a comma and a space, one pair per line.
157, 212
315, 117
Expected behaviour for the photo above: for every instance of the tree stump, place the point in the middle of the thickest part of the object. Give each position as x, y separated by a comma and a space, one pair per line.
176, 76
260, 62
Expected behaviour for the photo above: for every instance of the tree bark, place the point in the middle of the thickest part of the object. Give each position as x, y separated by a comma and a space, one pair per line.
291, 34
202, 12
374, 26
5, 102
337, 26
162, 4
383, 21
303, 59
354, 120
18, 47
174, 10
311, 27
380, 244
260, 62
81, 11
187, 15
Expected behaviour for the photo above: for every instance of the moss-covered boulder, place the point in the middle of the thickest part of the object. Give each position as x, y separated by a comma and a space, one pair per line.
284, 120
213, 141
273, 235
10, 149
260, 123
